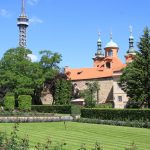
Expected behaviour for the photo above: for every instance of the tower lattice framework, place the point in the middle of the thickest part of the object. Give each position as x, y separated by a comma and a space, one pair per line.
23, 23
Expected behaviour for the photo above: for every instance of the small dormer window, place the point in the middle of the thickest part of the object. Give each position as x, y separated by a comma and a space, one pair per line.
110, 53
79, 72
108, 65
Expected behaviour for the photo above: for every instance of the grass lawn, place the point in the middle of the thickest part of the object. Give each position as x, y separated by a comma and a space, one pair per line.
110, 137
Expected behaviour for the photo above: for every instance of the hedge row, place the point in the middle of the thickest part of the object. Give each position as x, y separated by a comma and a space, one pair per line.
24, 102
134, 123
116, 114
9, 102
64, 109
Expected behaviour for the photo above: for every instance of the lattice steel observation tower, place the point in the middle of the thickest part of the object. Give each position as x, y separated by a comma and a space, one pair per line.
22, 23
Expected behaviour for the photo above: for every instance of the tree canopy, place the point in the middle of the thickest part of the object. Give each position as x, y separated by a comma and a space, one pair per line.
18, 74
135, 79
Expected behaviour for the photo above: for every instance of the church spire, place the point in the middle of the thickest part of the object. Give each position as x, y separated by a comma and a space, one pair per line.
22, 23
111, 35
131, 41
131, 51
99, 47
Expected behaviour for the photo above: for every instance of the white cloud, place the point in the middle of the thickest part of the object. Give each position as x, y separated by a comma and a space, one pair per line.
32, 2
33, 58
4, 13
35, 20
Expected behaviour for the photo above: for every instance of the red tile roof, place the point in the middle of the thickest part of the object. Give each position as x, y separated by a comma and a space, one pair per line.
95, 72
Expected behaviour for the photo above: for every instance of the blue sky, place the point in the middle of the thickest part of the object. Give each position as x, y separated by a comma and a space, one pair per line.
70, 27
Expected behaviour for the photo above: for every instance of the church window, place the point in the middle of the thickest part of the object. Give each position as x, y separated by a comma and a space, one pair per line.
110, 53
120, 98
107, 64
79, 72
86, 83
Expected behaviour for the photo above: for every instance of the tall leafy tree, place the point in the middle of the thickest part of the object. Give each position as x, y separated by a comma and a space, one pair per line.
135, 79
18, 73
89, 94
49, 63
62, 91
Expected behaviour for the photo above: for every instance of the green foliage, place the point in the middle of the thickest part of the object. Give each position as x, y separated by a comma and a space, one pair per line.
89, 94
13, 142
135, 79
134, 104
18, 73
50, 146
132, 147
9, 102
116, 114
64, 109
24, 102
104, 105
76, 109
63, 91
22, 76
49, 64
127, 123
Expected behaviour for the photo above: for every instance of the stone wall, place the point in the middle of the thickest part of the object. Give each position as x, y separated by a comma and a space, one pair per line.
105, 94
46, 97
120, 97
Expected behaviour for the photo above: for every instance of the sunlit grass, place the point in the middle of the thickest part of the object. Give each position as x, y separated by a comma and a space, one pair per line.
75, 134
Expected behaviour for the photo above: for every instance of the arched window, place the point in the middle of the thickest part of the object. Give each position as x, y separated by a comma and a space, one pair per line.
108, 65
110, 53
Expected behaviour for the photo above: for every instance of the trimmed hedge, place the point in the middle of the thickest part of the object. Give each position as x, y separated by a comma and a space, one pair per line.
9, 102
134, 123
24, 102
116, 114
104, 105
64, 109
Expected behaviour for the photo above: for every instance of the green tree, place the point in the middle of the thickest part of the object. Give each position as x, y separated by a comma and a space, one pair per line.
135, 79
62, 91
90, 93
49, 64
22, 76
18, 74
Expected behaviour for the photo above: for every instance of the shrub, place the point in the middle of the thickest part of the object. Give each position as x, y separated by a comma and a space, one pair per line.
104, 105
9, 102
64, 109
76, 109
24, 102
116, 114
137, 124
133, 104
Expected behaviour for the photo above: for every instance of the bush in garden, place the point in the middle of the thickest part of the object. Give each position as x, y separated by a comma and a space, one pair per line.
135, 123
24, 102
116, 114
76, 109
9, 102
64, 109
104, 105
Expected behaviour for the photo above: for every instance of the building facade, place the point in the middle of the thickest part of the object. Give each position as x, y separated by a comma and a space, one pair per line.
106, 70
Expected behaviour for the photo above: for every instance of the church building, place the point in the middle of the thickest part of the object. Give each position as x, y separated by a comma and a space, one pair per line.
106, 70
